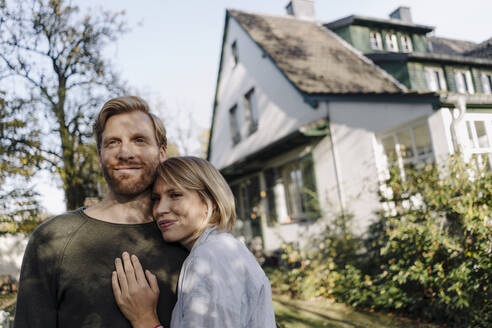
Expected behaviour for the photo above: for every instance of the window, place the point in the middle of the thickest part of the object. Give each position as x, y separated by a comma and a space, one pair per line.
391, 42
487, 82
247, 195
299, 183
408, 146
234, 52
234, 125
273, 182
406, 43
464, 82
375, 40
435, 79
251, 113
479, 133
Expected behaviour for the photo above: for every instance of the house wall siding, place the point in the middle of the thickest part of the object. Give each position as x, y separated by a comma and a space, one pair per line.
344, 33
360, 38
354, 128
420, 43
477, 81
280, 106
417, 76
398, 71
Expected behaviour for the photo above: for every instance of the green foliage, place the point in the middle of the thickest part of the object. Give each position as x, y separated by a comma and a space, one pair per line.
428, 255
55, 76
18, 158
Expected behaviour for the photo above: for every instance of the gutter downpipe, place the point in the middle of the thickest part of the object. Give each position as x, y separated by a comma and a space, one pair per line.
460, 105
338, 179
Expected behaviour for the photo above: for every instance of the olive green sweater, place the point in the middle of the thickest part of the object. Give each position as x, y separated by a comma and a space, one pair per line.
66, 271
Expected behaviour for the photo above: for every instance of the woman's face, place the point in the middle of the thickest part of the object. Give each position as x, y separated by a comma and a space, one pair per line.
178, 213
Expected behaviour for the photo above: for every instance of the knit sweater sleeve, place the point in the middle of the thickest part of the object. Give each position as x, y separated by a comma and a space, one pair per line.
37, 296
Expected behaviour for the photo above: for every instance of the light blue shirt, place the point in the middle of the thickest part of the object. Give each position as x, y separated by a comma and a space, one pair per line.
222, 285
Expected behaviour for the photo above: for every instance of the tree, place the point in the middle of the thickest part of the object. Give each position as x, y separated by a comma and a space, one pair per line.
53, 70
185, 136
18, 202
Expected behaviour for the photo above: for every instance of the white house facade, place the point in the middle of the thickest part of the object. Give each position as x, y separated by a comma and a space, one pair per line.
304, 124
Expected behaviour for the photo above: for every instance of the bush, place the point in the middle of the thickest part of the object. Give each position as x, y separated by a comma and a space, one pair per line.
428, 255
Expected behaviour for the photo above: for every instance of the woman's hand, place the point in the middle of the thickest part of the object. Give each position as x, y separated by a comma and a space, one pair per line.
136, 293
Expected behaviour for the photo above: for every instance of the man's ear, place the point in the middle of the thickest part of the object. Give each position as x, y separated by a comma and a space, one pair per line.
162, 154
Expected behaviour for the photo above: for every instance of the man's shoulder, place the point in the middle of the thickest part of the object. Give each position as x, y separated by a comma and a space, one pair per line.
60, 225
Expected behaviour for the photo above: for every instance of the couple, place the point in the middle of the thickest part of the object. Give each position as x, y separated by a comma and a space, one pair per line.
174, 226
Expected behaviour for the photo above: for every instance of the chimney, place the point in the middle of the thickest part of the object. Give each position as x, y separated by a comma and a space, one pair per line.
402, 13
301, 9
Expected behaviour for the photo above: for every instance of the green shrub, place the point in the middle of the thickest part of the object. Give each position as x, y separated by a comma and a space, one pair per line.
428, 256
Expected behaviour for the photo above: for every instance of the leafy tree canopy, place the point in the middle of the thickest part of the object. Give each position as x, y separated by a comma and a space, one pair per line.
55, 77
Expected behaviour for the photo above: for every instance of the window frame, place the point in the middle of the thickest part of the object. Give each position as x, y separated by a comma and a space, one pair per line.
406, 43
473, 142
234, 125
430, 73
297, 202
234, 52
467, 82
375, 40
486, 79
391, 42
416, 158
251, 111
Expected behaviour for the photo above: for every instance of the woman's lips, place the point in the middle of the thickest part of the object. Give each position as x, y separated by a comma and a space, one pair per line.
165, 224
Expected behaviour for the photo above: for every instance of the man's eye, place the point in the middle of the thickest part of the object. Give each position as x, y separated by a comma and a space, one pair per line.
154, 197
140, 140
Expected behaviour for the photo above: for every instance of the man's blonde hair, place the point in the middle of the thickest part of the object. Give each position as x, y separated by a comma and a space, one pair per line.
193, 173
127, 104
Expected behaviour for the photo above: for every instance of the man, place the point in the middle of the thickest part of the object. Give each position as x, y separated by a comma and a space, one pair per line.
66, 272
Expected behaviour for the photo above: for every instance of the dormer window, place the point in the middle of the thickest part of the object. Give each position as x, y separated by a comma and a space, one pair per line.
406, 43
391, 42
234, 52
487, 83
435, 79
375, 39
464, 82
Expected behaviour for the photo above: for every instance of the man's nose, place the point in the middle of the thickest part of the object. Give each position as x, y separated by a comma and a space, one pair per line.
125, 152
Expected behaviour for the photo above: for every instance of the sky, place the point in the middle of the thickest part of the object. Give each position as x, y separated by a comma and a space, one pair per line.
172, 51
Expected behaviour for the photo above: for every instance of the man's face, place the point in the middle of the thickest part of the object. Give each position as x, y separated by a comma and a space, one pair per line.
129, 153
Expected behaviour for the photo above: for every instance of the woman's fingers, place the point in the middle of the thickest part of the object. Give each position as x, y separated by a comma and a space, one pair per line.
151, 278
127, 264
121, 275
116, 287
139, 274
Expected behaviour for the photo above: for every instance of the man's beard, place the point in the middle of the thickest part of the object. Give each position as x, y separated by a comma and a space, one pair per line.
131, 185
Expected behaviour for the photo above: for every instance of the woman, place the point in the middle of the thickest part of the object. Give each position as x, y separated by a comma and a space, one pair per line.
220, 284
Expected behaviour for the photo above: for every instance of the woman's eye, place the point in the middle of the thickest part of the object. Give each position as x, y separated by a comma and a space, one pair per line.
176, 195
140, 140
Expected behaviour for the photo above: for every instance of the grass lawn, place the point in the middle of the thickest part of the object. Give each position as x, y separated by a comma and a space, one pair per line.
322, 313
309, 314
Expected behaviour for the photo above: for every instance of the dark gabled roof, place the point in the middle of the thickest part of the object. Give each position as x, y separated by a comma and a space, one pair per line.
443, 46
378, 22
482, 50
313, 59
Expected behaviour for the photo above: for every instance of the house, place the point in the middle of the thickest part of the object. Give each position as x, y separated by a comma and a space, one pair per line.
308, 114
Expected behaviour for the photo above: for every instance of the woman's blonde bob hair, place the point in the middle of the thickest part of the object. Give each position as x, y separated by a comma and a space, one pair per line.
193, 173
